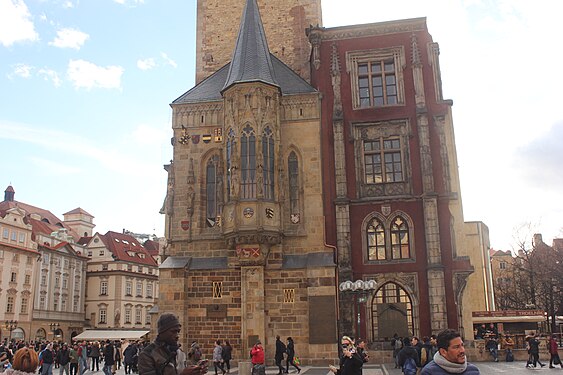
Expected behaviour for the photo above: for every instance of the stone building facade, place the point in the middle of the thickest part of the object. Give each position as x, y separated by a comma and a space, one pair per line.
391, 186
246, 257
297, 168
122, 282
284, 23
44, 278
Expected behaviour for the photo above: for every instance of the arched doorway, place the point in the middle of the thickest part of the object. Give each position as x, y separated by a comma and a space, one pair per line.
18, 334
40, 335
391, 312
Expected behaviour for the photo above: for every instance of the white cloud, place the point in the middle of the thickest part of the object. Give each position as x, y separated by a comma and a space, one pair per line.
68, 4
16, 24
69, 38
85, 74
50, 75
146, 64
22, 70
168, 60
109, 156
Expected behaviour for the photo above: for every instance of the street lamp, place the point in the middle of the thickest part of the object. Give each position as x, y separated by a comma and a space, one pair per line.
11, 325
360, 289
54, 327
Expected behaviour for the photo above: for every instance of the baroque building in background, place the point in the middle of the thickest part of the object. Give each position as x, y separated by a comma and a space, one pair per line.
122, 282
58, 279
44, 271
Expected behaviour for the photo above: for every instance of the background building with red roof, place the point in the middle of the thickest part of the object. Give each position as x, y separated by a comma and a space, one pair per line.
122, 282
60, 279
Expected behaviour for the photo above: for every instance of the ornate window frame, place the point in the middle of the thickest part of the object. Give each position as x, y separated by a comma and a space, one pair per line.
355, 58
213, 190
268, 163
399, 129
248, 158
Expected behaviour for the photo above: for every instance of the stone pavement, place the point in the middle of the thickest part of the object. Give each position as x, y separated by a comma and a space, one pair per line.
486, 368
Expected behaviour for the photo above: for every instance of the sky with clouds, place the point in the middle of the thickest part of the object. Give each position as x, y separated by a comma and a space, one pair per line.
85, 88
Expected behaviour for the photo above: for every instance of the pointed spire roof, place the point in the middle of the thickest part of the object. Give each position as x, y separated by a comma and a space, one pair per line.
251, 60
9, 194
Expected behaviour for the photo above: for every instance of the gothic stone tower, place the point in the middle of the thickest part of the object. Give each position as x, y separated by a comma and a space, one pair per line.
284, 22
245, 253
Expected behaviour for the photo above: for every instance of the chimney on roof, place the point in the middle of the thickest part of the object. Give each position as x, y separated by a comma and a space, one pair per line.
9, 194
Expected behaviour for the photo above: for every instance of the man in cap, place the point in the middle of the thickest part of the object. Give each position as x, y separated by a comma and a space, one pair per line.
159, 358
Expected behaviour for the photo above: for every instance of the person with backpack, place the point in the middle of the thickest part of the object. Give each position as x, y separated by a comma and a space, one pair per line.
508, 345
408, 358
450, 358
194, 355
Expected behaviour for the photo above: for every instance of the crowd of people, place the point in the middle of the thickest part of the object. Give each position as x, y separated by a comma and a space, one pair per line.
437, 354
76, 358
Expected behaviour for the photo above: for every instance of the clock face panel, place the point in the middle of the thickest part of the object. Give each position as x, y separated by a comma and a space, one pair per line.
295, 218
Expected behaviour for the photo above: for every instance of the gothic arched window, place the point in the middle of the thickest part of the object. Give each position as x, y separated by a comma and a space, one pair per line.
376, 240
293, 177
268, 155
231, 142
400, 246
212, 191
248, 162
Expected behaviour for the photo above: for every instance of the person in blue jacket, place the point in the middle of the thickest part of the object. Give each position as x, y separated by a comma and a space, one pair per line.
450, 358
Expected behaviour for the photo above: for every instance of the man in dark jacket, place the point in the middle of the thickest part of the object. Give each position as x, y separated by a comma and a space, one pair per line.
129, 355
109, 358
280, 350
450, 358
159, 358
63, 358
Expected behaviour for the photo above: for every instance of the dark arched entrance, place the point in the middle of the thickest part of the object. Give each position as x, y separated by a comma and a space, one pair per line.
391, 312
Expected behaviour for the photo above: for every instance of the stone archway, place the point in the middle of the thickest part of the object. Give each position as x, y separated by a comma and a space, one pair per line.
17, 334
391, 312
58, 335
40, 335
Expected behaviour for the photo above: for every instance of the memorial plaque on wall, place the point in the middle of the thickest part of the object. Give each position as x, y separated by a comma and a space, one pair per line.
217, 311
322, 320
252, 340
